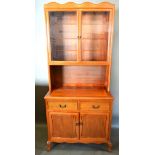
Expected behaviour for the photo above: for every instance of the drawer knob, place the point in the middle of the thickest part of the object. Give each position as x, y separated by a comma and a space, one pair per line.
62, 106
95, 106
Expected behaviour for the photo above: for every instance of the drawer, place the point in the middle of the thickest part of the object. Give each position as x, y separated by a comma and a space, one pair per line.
62, 105
95, 105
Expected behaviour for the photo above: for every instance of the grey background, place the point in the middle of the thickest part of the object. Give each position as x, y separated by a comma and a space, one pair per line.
41, 74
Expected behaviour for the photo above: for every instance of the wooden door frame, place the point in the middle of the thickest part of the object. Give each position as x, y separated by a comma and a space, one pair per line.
62, 139
97, 140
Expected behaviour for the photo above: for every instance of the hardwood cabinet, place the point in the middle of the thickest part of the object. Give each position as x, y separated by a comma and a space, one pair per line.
79, 47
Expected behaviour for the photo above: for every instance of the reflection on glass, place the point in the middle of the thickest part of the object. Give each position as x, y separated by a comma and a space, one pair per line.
95, 35
63, 35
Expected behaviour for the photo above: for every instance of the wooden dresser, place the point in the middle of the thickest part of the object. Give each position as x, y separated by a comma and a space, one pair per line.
79, 47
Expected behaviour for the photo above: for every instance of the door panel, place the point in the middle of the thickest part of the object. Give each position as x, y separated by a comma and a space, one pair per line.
94, 126
63, 35
95, 27
63, 125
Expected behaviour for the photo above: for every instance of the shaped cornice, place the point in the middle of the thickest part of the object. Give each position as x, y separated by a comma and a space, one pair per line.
85, 5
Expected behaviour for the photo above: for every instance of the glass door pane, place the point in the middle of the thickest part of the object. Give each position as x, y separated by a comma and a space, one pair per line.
95, 35
63, 35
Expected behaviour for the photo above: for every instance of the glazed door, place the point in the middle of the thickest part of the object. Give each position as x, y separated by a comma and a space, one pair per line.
63, 30
94, 126
94, 35
63, 126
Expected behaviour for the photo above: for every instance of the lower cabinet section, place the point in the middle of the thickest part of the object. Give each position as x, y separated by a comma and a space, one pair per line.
86, 127
63, 126
74, 121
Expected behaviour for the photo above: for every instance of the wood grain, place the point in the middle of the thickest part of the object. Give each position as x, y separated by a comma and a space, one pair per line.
94, 125
62, 105
63, 125
78, 63
78, 76
94, 106
85, 5
80, 92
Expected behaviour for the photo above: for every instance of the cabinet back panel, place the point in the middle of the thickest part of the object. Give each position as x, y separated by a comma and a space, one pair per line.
78, 76
94, 50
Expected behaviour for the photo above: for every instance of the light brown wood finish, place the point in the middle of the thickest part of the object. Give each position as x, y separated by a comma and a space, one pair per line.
79, 46
48, 48
77, 76
78, 63
94, 106
80, 92
88, 110
62, 105
79, 36
63, 125
109, 53
85, 5
94, 125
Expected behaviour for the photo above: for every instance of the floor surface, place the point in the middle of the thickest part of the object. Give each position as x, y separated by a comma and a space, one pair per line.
73, 149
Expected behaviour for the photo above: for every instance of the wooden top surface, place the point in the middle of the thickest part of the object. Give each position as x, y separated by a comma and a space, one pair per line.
79, 93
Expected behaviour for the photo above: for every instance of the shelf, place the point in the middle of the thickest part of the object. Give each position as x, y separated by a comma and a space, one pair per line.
80, 63
63, 23
98, 51
54, 38
91, 38
79, 92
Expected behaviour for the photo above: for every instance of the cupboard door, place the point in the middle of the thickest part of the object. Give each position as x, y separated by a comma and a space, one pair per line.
94, 126
63, 126
95, 26
63, 35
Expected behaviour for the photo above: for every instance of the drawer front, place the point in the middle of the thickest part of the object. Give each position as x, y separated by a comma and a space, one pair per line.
62, 105
95, 105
